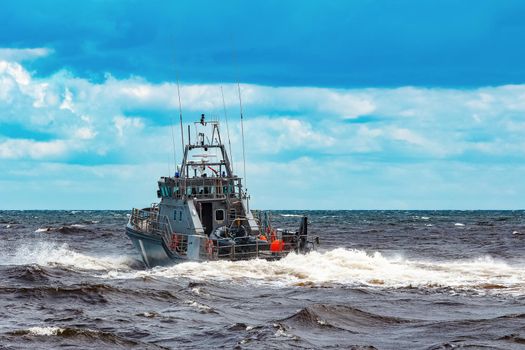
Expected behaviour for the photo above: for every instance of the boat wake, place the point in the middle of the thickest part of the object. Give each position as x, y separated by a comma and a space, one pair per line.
53, 254
353, 268
337, 267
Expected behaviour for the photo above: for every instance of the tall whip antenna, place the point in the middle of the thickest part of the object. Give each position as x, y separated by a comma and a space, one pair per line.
173, 144
242, 119
227, 128
180, 115
242, 135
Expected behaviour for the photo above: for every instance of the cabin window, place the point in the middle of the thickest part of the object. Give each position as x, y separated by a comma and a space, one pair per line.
180, 215
219, 215
165, 191
175, 215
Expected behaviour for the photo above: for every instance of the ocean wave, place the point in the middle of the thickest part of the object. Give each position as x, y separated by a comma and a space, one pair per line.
67, 229
355, 268
27, 273
204, 309
53, 254
85, 335
45, 331
339, 316
89, 294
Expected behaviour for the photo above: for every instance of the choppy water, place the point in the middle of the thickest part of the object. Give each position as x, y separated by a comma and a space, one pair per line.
382, 279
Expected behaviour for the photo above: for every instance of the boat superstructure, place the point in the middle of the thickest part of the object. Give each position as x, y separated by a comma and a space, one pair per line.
204, 213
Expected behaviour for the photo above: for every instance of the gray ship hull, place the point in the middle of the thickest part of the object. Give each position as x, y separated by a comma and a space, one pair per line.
152, 249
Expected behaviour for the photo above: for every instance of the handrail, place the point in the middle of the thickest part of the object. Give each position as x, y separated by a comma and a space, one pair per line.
167, 237
211, 187
152, 222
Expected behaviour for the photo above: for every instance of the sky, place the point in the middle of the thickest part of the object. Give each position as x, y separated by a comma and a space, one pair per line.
369, 104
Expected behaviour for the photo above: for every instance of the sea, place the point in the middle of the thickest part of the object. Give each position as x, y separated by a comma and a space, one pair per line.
379, 280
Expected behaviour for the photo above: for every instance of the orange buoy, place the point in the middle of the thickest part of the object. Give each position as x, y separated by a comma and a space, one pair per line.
263, 238
277, 246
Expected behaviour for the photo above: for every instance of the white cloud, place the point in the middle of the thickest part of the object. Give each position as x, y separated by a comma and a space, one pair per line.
18, 55
84, 133
20, 148
346, 104
16, 72
122, 124
435, 121
67, 103
273, 135
110, 119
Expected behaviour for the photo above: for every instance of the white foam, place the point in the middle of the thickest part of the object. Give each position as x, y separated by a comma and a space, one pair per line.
291, 215
47, 229
46, 331
198, 306
52, 254
78, 225
459, 224
352, 267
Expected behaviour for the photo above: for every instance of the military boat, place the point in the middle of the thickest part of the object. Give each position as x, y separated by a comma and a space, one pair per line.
203, 213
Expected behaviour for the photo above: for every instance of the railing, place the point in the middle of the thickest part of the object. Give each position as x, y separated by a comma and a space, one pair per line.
260, 249
202, 187
151, 222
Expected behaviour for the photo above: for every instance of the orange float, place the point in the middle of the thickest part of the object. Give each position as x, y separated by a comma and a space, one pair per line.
277, 246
